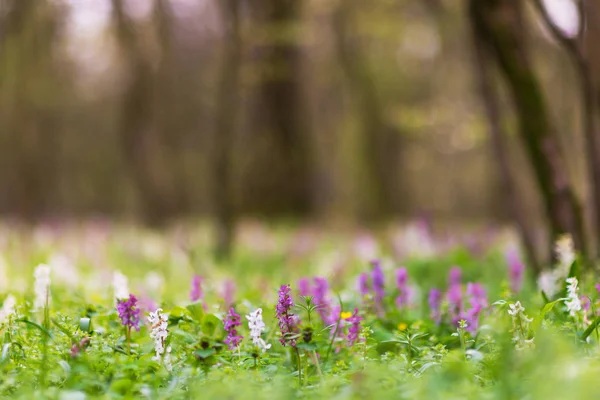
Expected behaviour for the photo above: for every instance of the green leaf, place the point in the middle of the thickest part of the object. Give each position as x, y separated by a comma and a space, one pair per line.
307, 346
85, 324
590, 329
35, 325
537, 322
209, 324
204, 353
196, 311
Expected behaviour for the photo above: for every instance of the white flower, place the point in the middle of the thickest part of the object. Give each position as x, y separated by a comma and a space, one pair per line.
64, 270
159, 322
120, 285
257, 326
548, 282
520, 326
8, 308
573, 303
42, 286
564, 252
516, 308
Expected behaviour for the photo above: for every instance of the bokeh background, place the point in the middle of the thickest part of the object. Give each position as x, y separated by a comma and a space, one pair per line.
337, 112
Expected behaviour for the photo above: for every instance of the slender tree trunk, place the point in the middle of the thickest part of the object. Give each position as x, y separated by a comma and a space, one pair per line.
227, 111
381, 141
284, 184
574, 48
136, 122
501, 27
489, 96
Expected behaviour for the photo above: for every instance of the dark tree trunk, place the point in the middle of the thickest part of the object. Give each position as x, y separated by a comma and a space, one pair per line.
491, 104
227, 111
500, 25
284, 181
137, 128
381, 140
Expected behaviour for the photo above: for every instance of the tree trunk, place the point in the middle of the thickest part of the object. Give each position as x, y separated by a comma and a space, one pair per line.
500, 25
282, 182
489, 96
227, 111
381, 141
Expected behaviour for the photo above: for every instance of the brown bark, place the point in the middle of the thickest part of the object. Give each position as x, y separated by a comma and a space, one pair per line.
576, 51
285, 170
137, 129
500, 25
381, 141
227, 111
491, 104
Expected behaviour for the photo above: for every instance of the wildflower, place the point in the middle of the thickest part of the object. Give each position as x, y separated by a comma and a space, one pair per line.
516, 269
402, 326
8, 308
320, 290
229, 292
565, 252
120, 285
520, 326
573, 303
196, 291
287, 320
232, 321
402, 284
478, 301
363, 284
129, 312
304, 287
257, 326
548, 282
159, 324
435, 302
345, 314
378, 279
42, 286
77, 348
454, 276
454, 295
354, 328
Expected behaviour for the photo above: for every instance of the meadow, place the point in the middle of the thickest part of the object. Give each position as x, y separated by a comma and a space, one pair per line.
100, 310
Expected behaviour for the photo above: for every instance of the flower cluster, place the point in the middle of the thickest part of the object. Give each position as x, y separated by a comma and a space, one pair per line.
287, 320
232, 321
42, 286
129, 312
196, 292
403, 290
8, 308
520, 326
159, 324
354, 328
573, 302
120, 285
257, 326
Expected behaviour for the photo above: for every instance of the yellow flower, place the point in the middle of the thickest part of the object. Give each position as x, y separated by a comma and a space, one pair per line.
345, 314
402, 326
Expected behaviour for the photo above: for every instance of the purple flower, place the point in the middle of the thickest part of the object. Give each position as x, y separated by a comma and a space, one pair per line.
435, 303
363, 284
304, 286
403, 289
454, 277
228, 292
196, 291
516, 270
378, 279
129, 312
320, 298
287, 320
354, 328
232, 321
478, 301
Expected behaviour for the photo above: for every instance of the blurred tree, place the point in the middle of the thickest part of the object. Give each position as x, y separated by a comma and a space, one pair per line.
227, 110
501, 26
491, 104
29, 87
143, 145
282, 179
574, 46
380, 139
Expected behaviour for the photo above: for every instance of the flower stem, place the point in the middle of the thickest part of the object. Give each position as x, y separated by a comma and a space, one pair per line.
299, 367
316, 361
128, 334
